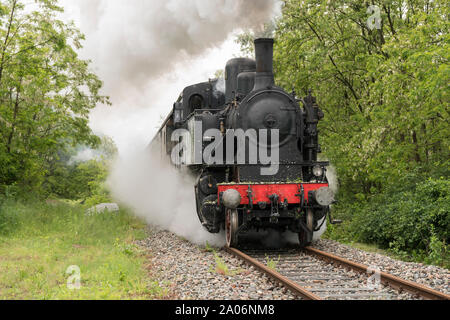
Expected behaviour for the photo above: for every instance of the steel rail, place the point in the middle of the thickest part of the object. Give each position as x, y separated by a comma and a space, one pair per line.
295, 288
393, 281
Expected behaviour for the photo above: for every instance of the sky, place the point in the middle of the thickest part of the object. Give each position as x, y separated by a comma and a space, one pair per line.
147, 51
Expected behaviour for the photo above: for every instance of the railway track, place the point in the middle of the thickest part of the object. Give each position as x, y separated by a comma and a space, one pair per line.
316, 275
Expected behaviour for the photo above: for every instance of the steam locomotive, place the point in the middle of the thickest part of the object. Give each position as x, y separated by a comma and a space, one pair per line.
253, 149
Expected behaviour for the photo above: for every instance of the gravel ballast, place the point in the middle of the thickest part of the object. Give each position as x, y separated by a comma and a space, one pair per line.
190, 272
430, 276
331, 282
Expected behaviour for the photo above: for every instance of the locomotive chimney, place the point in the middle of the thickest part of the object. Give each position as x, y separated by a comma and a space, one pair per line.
264, 63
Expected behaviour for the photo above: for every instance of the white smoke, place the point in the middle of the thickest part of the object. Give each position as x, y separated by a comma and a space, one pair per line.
138, 41
333, 179
86, 154
334, 185
165, 198
145, 51
161, 195
220, 87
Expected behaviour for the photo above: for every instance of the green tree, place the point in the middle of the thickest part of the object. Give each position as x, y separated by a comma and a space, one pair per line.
384, 90
71, 177
46, 90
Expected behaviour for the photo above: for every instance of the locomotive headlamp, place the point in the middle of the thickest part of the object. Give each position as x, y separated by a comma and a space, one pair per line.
324, 196
318, 171
231, 199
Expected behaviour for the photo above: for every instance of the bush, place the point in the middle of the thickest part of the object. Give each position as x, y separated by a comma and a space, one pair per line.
413, 220
77, 181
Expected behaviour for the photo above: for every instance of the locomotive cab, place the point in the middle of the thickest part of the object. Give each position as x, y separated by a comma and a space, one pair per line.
198, 97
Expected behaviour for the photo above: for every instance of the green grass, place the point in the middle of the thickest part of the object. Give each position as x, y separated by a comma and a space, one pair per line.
272, 263
38, 243
220, 266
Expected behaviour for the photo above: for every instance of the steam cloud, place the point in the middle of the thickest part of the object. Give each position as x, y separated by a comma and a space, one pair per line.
135, 47
161, 195
165, 198
147, 51
334, 185
134, 42
86, 154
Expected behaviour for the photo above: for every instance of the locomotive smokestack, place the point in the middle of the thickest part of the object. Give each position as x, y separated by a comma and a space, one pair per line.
264, 63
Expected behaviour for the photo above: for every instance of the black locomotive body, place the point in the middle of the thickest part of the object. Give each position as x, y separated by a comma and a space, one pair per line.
254, 150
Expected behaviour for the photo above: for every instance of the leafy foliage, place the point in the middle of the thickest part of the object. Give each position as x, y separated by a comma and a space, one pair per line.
386, 98
74, 177
412, 221
46, 91
385, 92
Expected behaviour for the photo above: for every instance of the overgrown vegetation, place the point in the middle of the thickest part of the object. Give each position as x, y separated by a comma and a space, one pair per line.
52, 168
220, 266
80, 174
46, 94
413, 222
384, 90
39, 242
272, 263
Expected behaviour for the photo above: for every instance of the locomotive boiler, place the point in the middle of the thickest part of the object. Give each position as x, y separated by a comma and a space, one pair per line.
254, 150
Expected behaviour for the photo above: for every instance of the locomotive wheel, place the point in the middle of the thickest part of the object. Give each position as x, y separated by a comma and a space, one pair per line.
303, 235
231, 227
